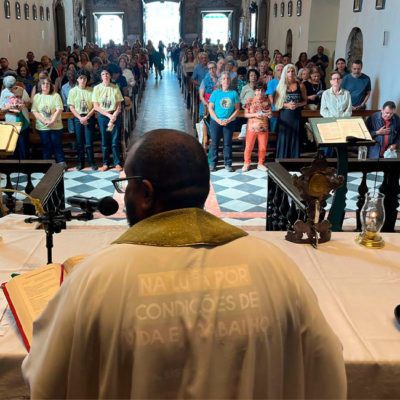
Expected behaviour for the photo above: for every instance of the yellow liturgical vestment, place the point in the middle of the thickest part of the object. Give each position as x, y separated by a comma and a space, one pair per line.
184, 305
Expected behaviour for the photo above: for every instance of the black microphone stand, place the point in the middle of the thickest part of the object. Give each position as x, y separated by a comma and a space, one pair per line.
53, 222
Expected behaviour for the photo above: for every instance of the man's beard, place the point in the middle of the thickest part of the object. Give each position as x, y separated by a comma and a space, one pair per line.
131, 215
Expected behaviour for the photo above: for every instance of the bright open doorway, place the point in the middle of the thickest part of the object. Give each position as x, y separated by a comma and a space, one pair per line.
215, 27
161, 21
109, 27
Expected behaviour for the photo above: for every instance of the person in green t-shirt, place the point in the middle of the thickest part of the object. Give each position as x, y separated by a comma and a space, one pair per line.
107, 100
47, 108
80, 103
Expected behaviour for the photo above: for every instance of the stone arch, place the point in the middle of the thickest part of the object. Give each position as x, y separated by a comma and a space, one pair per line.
289, 42
354, 46
59, 26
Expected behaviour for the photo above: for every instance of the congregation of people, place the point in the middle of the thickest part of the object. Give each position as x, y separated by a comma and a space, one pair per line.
99, 81
90, 82
286, 86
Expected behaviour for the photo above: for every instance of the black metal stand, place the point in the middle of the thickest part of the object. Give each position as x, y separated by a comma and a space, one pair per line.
53, 222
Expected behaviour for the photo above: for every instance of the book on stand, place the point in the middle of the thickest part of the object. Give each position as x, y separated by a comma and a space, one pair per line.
331, 131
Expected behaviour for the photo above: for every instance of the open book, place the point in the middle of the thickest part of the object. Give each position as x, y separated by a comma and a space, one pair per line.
28, 294
332, 130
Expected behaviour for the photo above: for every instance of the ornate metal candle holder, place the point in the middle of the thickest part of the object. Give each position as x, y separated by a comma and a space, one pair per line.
314, 184
372, 219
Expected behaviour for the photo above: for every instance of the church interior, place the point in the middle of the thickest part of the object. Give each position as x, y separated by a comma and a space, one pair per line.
160, 88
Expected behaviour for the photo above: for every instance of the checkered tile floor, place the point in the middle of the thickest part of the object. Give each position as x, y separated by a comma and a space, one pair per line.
237, 197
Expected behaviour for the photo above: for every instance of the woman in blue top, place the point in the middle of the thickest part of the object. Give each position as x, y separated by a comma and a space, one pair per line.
224, 105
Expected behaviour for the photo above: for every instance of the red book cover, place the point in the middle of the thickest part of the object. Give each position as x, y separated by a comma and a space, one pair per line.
10, 303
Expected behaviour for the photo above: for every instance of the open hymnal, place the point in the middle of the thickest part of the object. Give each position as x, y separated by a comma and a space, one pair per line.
28, 294
337, 131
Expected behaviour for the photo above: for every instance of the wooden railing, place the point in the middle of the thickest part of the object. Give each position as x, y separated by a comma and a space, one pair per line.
50, 189
285, 206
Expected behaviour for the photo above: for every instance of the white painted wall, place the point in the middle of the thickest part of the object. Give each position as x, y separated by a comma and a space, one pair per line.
323, 27
380, 62
279, 26
20, 36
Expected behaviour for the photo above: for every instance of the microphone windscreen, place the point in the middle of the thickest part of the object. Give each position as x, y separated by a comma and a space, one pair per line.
108, 206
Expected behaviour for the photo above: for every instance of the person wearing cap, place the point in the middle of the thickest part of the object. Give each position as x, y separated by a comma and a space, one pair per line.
107, 99
47, 108
14, 102
81, 105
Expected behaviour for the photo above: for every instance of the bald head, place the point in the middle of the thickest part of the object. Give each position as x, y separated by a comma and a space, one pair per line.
174, 165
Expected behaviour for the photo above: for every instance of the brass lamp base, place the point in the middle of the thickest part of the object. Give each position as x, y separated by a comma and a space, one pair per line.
370, 240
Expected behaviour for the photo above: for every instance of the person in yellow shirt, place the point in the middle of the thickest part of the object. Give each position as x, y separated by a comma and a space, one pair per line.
107, 100
80, 103
47, 108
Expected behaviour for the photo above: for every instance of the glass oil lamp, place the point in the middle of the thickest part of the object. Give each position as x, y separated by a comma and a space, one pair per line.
372, 219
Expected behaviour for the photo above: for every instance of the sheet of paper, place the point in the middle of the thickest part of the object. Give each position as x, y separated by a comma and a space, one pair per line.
39, 286
330, 132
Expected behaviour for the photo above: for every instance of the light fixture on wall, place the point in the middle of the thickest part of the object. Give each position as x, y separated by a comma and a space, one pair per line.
385, 38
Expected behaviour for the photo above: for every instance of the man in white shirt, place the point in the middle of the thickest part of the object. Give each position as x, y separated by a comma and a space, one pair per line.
182, 304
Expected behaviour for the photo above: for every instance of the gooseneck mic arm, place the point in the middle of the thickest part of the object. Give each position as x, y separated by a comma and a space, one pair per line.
55, 220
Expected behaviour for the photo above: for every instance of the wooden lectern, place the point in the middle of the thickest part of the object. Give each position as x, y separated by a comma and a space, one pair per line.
340, 133
9, 133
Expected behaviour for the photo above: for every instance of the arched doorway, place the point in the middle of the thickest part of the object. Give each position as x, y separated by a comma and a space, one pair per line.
161, 21
289, 42
109, 26
354, 46
215, 26
59, 22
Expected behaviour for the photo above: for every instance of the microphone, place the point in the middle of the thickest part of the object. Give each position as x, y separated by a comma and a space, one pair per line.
106, 205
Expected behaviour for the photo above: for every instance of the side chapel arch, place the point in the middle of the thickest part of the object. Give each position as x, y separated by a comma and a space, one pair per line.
354, 46
59, 26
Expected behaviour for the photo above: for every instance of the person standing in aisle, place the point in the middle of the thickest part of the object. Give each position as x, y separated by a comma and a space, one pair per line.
107, 99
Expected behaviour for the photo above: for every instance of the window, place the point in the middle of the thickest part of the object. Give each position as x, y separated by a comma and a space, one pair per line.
17, 10
48, 13
26, 11
41, 12
7, 11
282, 9
275, 10
290, 9
34, 12
357, 5
299, 4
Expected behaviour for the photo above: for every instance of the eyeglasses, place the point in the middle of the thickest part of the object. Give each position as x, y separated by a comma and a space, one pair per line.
212, 67
121, 184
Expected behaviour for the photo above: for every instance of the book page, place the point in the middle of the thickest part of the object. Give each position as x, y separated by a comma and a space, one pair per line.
30, 293
70, 263
353, 127
330, 132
